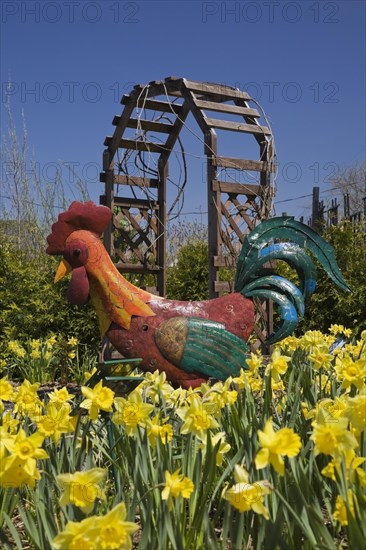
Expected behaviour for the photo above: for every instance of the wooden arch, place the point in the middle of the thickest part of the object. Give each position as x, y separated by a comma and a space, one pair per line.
161, 108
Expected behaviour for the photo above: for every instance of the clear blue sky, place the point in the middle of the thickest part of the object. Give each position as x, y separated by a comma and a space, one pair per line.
69, 62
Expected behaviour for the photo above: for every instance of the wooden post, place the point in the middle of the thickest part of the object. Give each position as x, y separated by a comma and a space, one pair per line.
161, 227
214, 213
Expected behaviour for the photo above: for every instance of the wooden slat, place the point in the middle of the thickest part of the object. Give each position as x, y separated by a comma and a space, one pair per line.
124, 202
238, 126
136, 145
131, 180
217, 90
224, 286
152, 125
225, 261
239, 188
225, 108
243, 164
156, 105
136, 268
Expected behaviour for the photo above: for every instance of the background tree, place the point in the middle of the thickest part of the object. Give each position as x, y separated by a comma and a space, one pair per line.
351, 181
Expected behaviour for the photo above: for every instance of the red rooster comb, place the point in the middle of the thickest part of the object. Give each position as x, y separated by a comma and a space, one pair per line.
80, 215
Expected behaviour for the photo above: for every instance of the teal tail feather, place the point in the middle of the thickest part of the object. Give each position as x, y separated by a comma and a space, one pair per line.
252, 278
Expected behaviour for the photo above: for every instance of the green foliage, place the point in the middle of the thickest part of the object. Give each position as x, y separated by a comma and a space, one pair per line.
329, 304
188, 278
32, 306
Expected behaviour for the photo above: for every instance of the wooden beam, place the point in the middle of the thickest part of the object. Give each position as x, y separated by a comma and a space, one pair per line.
237, 188
174, 134
131, 180
137, 145
217, 90
243, 164
141, 204
123, 119
156, 105
151, 125
225, 108
238, 126
136, 268
225, 261
224, 286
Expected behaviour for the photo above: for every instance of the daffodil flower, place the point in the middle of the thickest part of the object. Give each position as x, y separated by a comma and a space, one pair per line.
176, 485
247, 496
276, 445
82, 488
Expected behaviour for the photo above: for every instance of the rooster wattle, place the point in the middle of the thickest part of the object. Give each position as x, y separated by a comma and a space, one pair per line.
190, 341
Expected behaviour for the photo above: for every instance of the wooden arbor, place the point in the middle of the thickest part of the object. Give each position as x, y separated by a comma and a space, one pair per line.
137, 241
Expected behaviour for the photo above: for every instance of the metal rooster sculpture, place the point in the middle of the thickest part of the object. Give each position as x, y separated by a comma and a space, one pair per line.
190, 341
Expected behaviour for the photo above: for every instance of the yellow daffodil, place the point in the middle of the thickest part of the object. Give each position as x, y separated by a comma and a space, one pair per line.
25, 447
350, 372
156, 431
82, 488
107, 532
16, 472
356, 411
155, 386
176, 485
51, 341
333, 438
72, 342
278, 364
245, 496
61, 396
113, 532
320, 358
16, 348
27, 400
254, 362
340, 329
35, 344
131, 412
77, 536
221, 394
312, 339
56, 421
352, 465
249, 380
196, 418
6, 390
276, 445
97, 398
340, 513
223, 448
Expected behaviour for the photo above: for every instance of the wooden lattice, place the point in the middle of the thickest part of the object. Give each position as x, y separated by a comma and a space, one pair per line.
161, 108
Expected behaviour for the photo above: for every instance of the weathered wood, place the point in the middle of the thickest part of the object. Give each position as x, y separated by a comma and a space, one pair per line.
237, 126
151, 125
174, 134
243, 164
115, 139
224, 286
137, 145
131, 180
239, 188
225, 108
216, 90
141, 204
225, 261
136, 268
156, 105
161, 226
214, 213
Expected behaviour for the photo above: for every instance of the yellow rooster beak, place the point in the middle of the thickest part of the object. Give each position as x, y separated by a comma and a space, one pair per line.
63, 269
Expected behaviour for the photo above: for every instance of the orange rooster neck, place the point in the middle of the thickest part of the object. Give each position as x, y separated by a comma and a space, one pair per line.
114, 298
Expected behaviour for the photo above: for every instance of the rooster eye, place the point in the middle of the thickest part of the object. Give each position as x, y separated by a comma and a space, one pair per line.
77, 252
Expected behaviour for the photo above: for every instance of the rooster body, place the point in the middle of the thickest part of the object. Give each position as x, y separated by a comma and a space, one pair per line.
190, 341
